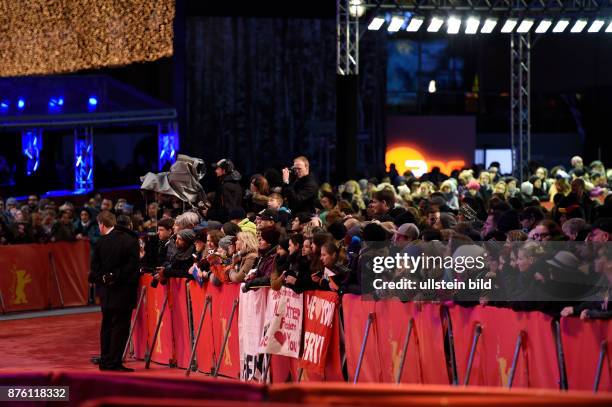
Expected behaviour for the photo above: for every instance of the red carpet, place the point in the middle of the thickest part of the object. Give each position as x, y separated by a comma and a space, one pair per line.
59, 342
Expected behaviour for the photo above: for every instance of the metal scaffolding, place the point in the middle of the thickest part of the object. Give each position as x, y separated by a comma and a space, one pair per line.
507, 6
520, 103
347, 36
83, 159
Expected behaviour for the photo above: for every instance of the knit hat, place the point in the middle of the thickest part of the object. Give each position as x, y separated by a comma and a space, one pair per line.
226, 242
11, 201
270, 235
187, 235
473, 184
247, 226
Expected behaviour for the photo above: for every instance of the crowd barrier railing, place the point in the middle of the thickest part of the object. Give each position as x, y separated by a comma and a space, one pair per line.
385, 341
42, 276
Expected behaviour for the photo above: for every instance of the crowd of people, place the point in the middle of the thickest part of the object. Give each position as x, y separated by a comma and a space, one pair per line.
284, 229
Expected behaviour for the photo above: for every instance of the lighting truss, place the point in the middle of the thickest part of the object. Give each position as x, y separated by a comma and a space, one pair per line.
168, 144
83, 159
31, 146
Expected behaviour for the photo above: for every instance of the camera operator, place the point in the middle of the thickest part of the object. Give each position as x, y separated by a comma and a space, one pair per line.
114, 267
301, 191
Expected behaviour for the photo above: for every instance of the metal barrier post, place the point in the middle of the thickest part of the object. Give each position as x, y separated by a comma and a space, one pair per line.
560, 356
57, 283
603, 349
157, 328
517, 349
371, 318
477, 332
197, 338
143, 291
404, 351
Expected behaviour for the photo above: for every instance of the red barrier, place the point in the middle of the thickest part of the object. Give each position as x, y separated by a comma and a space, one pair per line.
537, 361
27, 282
356, 313
179, 315
72, 263
393, 318
222, 303
582, 344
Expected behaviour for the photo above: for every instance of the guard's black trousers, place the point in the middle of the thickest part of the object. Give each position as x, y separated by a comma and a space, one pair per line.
114, 334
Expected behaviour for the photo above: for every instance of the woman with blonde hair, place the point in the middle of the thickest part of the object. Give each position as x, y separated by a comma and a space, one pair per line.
244, 260
501, 190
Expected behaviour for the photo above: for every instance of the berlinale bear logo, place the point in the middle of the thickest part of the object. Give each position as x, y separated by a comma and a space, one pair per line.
21, 279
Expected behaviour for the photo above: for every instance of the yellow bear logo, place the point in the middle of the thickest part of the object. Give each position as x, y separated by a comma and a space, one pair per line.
22, 278
227, 357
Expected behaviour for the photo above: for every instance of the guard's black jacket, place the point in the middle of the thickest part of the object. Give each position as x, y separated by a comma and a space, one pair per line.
116, 256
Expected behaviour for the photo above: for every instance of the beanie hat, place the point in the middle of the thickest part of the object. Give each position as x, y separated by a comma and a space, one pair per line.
270, 235
247, 226
447, 220
226, 242
473, 184
187, 235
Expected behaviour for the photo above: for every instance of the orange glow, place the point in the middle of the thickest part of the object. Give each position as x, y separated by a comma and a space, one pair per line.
410, 158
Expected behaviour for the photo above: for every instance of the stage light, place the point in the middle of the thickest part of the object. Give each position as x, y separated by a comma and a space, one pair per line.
356, 8
453, 24
525, 26
396, 23
509, 25
4, 106
579, 26
92, 101
20, 104
609, 28
471, 25
415, 24
596, 26
376, 23
435, 24
561, 26
488, 26
432, 86
60, 101
543, 26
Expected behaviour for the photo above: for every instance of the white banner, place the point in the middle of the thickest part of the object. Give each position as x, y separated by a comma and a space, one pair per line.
282, 330
251, 312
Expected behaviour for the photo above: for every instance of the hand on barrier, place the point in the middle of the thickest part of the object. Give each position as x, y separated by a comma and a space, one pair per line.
567, 311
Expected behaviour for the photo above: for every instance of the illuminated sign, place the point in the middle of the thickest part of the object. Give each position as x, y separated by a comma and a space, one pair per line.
406, 157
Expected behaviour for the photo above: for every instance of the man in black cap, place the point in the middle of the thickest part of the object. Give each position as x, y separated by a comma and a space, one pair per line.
115, 268
267, 219
229, 192
601, 231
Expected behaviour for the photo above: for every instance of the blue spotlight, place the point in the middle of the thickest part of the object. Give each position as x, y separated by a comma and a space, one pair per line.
20, 104
4, 106
55, 104
93, 101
